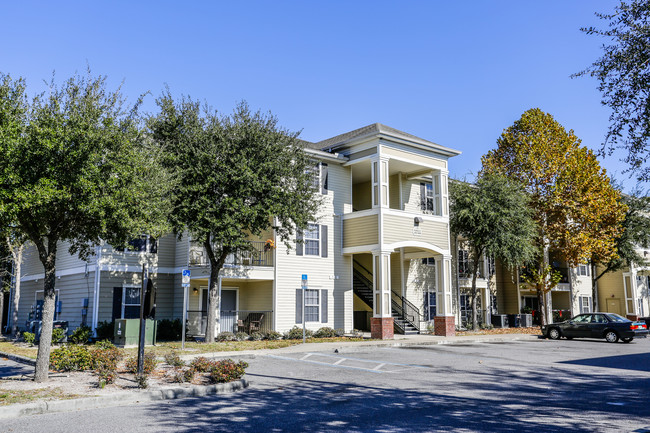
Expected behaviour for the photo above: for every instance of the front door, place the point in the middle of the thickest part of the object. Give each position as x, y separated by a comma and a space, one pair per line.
228, 317
613, 306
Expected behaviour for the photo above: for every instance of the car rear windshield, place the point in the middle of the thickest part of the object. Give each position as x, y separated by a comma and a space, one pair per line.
617, 318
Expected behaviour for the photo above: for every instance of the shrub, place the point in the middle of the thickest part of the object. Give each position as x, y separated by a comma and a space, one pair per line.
81, 335
169, 330
104, 344
295, 333
105, 330
58, 334
257, 336
340, 332
226, 336
103, 358
325, 332
188, 375
71, 358
29, 337
178, 375
357, 333
174, 360
272, 335
241, 336
142, 380
149, 364
227, 370
201, 364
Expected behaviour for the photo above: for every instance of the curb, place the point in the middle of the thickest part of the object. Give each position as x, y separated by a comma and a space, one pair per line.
118, 399
18, 358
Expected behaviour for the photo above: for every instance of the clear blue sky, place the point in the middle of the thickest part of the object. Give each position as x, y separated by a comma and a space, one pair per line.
453, 72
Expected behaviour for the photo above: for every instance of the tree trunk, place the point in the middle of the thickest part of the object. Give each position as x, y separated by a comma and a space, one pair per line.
17, 253
216, 263
213, 302
49, 295
2, 309
474, 295
594, 288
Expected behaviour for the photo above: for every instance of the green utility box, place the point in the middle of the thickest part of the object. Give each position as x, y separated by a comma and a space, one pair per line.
127, 332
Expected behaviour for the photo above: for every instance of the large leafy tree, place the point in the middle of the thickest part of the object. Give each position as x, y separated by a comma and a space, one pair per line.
623, 74
577, 210
235, 175
493, 218
635, 234
75, 168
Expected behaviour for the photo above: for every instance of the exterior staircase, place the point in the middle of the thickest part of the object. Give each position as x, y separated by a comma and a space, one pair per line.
403, 323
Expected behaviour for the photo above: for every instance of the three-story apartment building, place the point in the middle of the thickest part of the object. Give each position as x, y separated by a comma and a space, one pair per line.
379, 251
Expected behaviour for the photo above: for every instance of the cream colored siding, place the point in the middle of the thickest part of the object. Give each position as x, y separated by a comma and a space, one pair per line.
31, 263
332, 273
420, 278
400, 228
363, 153
166, 250
360, 231
182, 251
395, 274
256, 296
507, 297
412, 196
610, 286
415, 156
393, 191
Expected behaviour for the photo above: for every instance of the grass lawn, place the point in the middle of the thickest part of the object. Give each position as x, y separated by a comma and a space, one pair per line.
9, 347
12, 396
191, 347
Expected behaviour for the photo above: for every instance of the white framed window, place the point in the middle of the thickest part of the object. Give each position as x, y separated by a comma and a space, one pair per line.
430, 304
463, 263
130, 302
583, 270
314, 172
312, 240
312, 306
429, 261
141, 244
585, 304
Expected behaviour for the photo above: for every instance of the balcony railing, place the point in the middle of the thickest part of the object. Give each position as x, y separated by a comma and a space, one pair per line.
464, 272
247, 321
258, 255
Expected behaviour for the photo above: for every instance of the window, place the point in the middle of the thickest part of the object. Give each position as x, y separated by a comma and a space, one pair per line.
463, 263
312, 240
585, 304
314, 172
141, 244
583, 270
429, 305
429, 261
491, 266
311, 305
131, 303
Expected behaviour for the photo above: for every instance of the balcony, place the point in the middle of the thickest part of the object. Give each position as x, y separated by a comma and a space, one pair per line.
258, 255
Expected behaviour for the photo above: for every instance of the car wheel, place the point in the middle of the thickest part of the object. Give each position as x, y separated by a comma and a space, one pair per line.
554, 334
627, 340
611, 336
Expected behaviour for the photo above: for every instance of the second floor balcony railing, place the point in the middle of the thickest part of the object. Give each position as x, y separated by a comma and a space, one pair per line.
258, 255
464, 271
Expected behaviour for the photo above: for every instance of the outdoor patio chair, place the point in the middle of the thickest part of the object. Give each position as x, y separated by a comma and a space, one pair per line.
254, 321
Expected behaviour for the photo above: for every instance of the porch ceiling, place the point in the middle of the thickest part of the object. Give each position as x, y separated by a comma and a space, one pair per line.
361, 170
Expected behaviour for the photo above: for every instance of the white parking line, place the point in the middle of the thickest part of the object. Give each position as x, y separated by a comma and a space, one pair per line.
341, 359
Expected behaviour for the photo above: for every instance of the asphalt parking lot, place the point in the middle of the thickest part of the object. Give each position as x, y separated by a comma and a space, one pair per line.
532, 385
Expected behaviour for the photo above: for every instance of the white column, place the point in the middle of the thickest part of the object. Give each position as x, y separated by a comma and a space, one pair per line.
444, 192
379, 175
443, 289
381, 283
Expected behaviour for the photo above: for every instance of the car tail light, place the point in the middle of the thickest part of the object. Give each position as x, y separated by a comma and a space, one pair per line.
638, 326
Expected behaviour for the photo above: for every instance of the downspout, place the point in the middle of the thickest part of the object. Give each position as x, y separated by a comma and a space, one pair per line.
457, 281
98, 254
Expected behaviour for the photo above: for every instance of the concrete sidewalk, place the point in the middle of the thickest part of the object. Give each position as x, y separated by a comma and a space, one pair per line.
357, 346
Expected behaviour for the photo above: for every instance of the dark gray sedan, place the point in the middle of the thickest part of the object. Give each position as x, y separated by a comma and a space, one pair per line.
609, 326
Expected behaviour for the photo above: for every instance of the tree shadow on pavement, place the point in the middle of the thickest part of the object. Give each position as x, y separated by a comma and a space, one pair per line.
499, 400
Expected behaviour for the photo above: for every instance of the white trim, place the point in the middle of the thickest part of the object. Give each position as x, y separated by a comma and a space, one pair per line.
61, 273
417, 244
96, 289
424, 216
360, 249
360, 213
129, 286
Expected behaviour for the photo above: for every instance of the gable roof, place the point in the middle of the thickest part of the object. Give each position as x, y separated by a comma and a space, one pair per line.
380, 129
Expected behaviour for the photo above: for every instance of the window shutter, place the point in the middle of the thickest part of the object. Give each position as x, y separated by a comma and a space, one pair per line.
591, 306
426, 306
323, 177
298, 305
299, 244
323, 240
423, 196
117, 303
323, 306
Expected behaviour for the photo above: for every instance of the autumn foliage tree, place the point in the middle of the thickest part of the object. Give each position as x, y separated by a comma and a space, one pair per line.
577, 210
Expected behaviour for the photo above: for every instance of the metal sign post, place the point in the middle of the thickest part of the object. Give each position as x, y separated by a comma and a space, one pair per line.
186, 285
142, 323
304, 287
